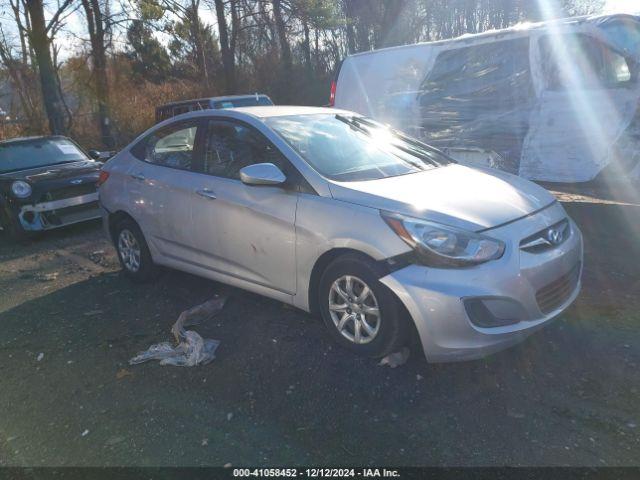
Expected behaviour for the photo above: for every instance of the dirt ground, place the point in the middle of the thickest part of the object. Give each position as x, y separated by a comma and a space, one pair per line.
280, 393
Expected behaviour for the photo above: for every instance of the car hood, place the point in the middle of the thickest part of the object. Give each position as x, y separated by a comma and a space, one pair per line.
53, 172
455, 195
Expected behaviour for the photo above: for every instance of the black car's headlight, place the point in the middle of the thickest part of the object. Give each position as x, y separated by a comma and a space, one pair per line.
443, 246
20, 189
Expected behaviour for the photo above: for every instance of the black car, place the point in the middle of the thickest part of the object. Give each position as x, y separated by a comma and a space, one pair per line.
46, 183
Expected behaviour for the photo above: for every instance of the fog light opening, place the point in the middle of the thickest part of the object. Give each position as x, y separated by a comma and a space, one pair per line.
481, 316
29, 217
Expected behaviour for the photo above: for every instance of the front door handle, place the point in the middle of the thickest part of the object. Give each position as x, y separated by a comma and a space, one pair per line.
206, 193
138, 176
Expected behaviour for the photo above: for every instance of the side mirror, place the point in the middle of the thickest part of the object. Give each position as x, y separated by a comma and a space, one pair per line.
262, 174
95, 154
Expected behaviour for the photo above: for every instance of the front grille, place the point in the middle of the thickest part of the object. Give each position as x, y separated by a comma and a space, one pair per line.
71, 214
548, 238
69, 192
554, 294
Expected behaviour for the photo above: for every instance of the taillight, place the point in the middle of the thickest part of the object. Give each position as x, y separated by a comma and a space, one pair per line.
104, 176
332, 94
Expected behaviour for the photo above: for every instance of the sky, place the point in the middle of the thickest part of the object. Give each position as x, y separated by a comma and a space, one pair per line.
75, 24
625, 6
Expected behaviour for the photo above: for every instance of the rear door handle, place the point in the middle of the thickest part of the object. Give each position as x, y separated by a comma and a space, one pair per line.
206, 193
138, 176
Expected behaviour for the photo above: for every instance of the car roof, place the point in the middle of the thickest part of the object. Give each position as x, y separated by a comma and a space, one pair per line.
280, 111
212, 99
259, 113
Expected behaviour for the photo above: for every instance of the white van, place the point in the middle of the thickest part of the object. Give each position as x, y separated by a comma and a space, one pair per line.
555, 101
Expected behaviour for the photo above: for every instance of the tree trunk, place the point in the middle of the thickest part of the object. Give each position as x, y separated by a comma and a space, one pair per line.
225, 49
95, 22
41, 44
284, 87
197, 38
306, 46
391, 30
350, 21
285, 50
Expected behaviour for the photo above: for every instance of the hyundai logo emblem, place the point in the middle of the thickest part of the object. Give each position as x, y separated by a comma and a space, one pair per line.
555, 235
78, 181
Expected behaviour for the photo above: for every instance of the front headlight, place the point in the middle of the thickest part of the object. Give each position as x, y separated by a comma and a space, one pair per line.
442, 246
20, 189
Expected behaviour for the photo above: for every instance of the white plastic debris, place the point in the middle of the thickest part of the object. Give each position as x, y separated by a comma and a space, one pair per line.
191, 348
40, 357
396, 359
47, 277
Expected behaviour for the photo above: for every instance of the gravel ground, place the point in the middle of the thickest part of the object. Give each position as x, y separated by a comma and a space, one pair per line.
280, 393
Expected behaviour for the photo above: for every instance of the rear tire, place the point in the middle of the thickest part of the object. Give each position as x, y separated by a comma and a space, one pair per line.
133, 252
365, 317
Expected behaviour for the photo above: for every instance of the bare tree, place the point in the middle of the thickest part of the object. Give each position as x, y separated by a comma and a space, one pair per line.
227, 44
40, 40
23, 80
188, 11
96, 23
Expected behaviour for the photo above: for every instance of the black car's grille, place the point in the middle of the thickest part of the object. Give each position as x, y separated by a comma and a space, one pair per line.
554, 294
66, 215
69, 192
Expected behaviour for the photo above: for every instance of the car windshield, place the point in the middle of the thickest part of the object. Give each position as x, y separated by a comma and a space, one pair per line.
23, 155
352, 148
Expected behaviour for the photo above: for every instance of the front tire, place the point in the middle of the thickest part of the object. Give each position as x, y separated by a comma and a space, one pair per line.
133, 252
12, 227
361, 313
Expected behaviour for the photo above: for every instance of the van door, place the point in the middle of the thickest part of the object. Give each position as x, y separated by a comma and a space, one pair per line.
587, 97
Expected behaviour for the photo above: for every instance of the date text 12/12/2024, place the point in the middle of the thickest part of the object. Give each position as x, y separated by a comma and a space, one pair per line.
316, 472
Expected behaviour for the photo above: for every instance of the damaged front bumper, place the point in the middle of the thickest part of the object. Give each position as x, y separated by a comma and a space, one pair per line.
59, 213
465, 314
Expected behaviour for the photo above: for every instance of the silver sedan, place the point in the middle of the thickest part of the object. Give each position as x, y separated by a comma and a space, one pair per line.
379, 234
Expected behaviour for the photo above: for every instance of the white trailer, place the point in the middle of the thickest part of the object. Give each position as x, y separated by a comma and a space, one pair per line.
555, 101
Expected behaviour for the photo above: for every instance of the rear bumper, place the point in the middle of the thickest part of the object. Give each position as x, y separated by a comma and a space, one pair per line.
59, 213
435, 298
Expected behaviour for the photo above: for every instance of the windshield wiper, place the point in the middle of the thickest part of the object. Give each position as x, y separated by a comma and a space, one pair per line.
58, 163
414, 146
353, 124
33, 167
424, 146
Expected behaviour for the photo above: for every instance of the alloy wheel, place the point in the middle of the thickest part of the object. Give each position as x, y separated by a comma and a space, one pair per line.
354, 309
129, 250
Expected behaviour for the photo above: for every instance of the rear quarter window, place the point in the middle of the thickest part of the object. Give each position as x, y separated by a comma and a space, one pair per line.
171, 146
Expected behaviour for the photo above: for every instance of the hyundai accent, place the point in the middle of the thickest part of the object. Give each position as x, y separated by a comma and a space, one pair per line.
381, 235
